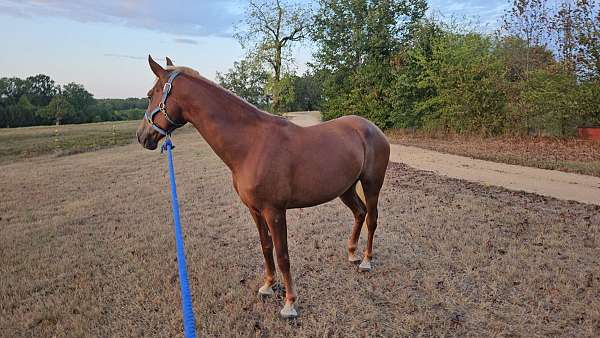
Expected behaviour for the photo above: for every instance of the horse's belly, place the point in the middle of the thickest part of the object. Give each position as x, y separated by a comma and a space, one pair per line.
321, 181
306, 202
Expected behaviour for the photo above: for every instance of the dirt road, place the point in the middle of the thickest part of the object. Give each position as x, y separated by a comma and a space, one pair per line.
567, 186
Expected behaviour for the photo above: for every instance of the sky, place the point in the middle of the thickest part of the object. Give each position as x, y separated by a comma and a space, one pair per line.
104, 44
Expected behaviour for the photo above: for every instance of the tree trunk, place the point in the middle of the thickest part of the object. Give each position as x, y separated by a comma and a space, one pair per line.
277, 79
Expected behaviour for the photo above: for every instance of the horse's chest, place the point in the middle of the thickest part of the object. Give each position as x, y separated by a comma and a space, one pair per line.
256, 191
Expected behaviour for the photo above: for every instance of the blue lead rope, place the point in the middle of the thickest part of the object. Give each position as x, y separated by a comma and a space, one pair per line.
189, 321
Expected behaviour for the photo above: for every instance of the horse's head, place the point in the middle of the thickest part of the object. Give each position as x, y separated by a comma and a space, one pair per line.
163, 114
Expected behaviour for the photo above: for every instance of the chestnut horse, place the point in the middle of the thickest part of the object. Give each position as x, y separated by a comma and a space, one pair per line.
276, 165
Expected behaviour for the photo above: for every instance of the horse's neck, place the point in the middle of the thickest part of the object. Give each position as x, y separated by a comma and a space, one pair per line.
228, 124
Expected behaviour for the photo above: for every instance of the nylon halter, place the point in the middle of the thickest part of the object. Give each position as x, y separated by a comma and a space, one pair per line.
162, 107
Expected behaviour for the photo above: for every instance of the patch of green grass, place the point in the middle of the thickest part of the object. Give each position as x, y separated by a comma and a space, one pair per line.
19, 143
591, 168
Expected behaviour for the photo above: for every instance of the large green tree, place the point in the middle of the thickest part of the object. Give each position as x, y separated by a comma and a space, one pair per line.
357, 41
308, 92
466, 76
11, 89
411, 90
40, 89
248, 79
58, 110
269, 30
80, 100
23, 113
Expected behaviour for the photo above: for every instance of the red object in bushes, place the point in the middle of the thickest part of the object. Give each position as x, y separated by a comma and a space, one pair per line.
589, 133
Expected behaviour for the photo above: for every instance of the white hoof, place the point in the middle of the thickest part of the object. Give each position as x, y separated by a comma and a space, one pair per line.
288, 311
365, 266
353, 258
266, 290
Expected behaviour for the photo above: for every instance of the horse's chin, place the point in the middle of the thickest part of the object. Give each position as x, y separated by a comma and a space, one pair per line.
150, 145
148, 140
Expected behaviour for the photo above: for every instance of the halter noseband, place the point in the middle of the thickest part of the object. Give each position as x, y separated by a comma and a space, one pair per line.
162, 107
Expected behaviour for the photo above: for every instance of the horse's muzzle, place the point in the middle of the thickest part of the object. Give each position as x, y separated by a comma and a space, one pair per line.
148, 138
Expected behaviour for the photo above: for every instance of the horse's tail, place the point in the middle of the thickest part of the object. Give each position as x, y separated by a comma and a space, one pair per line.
360, 192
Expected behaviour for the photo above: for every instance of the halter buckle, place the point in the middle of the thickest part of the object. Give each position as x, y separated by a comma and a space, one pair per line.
162, 107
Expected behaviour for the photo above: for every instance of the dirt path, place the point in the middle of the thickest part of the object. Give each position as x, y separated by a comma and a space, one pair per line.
580, 188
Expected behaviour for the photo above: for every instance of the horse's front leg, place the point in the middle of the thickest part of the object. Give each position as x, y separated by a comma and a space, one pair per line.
267, 248
278, 227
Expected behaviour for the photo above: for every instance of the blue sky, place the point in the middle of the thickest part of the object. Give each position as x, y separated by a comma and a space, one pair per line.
104, 44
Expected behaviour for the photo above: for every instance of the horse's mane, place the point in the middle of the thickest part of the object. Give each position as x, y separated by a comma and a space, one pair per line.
190, 72
187, 71
196, 75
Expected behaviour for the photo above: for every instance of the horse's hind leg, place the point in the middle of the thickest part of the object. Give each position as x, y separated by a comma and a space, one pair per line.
371, 186
353, 201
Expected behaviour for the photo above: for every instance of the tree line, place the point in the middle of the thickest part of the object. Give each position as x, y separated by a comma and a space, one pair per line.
538, 73
38, 100
386, 60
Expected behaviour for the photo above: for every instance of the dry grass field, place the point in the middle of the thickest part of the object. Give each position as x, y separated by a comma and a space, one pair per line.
20, 143
87, 249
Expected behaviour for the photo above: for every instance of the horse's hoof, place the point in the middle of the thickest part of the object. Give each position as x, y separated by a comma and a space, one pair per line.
365, 266
288, 311
353, 258
266, 291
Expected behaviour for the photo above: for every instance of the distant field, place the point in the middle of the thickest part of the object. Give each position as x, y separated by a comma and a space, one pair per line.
20, 143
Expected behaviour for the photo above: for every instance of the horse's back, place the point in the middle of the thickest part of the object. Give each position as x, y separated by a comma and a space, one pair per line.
374, 139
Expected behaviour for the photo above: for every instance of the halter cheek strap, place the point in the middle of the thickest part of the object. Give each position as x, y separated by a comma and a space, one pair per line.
162, 107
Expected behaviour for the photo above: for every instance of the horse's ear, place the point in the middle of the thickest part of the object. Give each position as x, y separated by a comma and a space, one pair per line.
156, 68
169, 62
